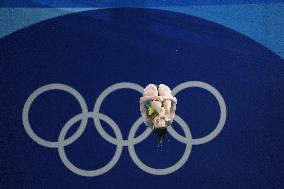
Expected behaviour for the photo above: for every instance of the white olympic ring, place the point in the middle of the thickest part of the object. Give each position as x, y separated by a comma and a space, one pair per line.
118, 141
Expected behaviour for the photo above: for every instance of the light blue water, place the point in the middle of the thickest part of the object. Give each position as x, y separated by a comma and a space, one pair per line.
262, 22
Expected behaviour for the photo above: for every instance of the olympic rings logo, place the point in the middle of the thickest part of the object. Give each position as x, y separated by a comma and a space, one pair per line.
118, 140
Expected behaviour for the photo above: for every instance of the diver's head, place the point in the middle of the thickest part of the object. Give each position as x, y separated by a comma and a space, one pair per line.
160, 132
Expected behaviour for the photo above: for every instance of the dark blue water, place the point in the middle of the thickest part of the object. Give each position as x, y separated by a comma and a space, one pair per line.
90, 51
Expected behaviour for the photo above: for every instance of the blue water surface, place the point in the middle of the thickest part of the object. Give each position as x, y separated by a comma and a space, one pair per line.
92, 50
